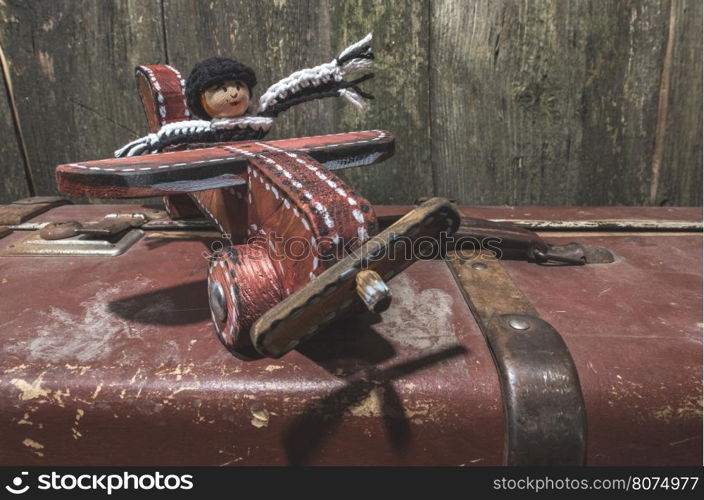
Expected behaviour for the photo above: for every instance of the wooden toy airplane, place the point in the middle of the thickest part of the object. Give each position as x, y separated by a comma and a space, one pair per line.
305, 248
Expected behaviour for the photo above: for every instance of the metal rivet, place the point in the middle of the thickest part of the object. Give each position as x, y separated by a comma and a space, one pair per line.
479, 266
217, 302
518, 324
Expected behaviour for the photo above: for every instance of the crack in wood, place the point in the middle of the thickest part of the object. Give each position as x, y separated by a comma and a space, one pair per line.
16, 122
663, 102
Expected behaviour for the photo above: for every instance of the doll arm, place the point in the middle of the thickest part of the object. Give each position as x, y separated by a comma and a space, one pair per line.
198, 131
171, 133
326, 80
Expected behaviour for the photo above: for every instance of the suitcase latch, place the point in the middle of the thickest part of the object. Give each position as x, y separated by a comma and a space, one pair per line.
109, 237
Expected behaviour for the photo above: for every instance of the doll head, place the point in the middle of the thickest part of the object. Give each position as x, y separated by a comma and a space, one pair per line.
219, 88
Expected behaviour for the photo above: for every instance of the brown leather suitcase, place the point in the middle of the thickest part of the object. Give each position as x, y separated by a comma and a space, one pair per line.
109, 355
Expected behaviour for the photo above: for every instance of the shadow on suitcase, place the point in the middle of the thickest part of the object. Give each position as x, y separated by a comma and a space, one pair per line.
309, 430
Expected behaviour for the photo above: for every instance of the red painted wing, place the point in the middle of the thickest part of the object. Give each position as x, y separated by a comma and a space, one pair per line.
220, 165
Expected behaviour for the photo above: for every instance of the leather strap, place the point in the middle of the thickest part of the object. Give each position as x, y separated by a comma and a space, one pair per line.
545, 416
24, 209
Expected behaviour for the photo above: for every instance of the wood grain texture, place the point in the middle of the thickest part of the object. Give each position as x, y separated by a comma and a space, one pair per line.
72, 64
545, 102
625, 50
551, 102
679, 180
13, 183
505, 89
401, 90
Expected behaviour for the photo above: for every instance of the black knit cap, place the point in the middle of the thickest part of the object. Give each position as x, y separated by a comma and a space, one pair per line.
210, 72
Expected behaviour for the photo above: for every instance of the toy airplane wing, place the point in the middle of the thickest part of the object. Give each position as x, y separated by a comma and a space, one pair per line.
217, 166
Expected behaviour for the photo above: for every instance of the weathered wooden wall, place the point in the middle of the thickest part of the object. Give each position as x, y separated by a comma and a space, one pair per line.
492, 101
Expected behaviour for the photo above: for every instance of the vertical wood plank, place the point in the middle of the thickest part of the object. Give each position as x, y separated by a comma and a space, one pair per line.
505, 94
545, 102
71, 64
13, 185
679, 179
625, 51
401, 88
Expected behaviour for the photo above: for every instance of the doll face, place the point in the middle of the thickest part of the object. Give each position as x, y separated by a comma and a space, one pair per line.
227, 99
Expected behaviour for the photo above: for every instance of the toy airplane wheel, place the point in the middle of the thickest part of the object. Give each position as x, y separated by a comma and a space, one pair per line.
242, 286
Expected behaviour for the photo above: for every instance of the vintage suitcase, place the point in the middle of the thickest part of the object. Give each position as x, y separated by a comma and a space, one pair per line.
109, 355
